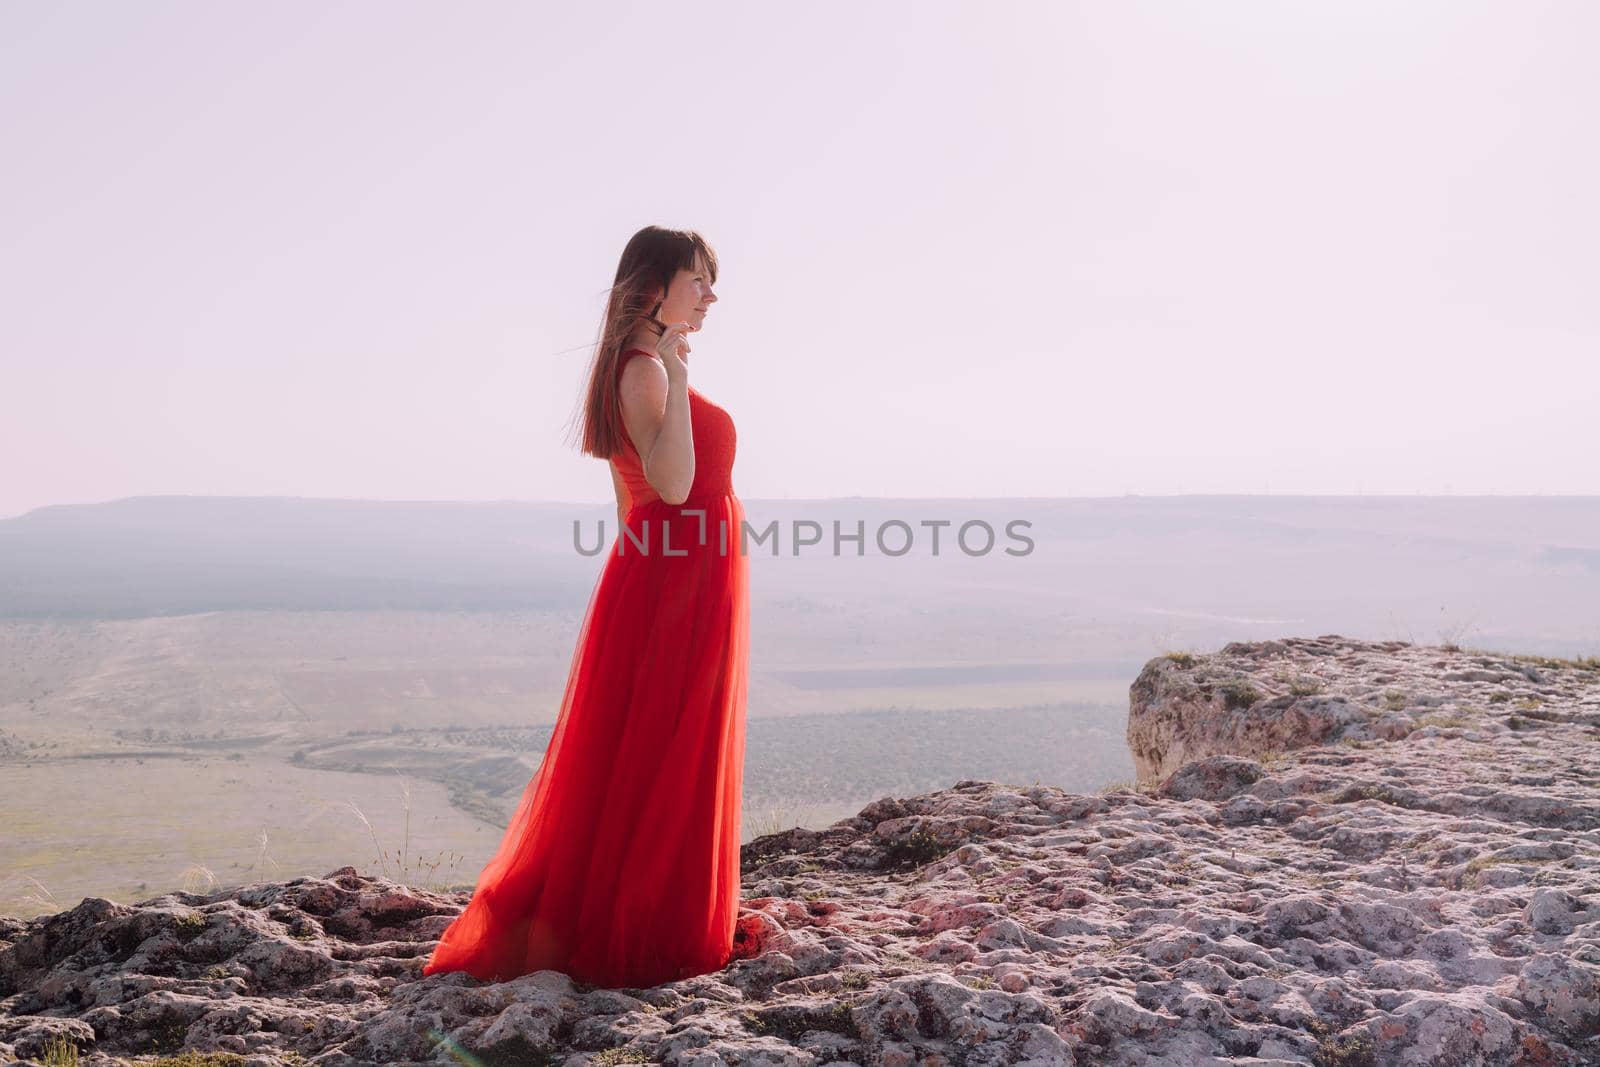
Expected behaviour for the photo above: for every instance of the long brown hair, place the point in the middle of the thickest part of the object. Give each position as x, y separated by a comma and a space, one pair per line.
650, 261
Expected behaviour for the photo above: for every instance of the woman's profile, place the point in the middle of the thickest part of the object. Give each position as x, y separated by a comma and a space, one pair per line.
620, 865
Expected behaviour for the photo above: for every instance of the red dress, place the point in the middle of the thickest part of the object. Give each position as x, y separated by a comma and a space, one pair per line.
620, 867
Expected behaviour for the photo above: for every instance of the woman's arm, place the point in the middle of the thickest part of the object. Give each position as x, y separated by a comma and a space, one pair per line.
656, 412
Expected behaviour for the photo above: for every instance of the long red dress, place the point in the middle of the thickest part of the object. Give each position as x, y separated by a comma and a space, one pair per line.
620, 867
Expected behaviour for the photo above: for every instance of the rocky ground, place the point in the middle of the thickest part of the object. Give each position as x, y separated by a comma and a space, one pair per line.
1347, 853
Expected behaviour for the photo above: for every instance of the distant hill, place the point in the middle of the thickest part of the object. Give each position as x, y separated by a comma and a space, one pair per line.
178, 555
1517, 572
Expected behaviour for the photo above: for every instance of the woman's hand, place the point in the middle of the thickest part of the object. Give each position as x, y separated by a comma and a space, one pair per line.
673, 348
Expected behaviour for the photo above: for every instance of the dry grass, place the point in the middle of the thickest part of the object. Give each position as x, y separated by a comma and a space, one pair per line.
59, 1051
778, 818
1147, 787
407, 868
1582, 663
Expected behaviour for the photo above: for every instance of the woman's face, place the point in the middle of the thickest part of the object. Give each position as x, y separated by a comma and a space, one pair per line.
688, 297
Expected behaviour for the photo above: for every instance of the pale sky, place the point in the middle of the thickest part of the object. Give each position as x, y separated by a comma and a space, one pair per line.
360, 250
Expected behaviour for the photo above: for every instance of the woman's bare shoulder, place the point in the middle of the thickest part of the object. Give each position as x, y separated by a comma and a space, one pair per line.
642, 375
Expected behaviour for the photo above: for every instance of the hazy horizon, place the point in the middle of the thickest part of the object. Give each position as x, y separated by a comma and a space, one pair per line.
786, 499
359, 251
1520, 571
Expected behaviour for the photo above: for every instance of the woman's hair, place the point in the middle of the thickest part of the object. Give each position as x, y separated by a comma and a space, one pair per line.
650, 261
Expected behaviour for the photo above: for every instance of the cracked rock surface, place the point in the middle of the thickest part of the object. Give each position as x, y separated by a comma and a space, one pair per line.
1345, 852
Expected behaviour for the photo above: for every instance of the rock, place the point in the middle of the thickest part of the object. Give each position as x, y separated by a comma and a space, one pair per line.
1213, 778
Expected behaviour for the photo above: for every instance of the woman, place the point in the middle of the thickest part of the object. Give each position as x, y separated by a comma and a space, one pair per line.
620, 866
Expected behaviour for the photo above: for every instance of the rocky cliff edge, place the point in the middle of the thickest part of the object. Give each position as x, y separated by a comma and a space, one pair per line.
1342, 853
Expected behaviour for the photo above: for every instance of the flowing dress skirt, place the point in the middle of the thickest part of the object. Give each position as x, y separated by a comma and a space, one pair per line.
620, 865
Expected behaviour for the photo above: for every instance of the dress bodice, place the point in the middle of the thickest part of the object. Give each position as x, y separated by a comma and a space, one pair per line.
714, 446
